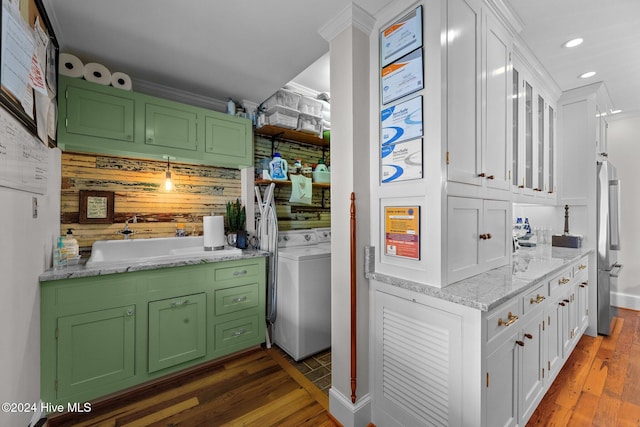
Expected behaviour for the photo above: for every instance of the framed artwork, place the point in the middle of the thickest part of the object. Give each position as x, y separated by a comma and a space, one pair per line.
96, 207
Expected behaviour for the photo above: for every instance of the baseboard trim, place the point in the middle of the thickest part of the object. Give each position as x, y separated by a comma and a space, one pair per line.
632, 302
350, 414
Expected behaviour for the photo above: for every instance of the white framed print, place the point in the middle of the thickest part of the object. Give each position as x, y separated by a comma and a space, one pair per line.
401, 162
401, 37
402, 122
402, 77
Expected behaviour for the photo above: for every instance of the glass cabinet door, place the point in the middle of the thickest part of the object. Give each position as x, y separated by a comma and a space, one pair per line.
540, 146
528, 135
550, 142
515, 152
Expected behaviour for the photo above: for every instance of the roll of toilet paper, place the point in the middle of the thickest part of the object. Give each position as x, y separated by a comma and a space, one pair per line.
213, 230
70, 65
97, 73
121, 80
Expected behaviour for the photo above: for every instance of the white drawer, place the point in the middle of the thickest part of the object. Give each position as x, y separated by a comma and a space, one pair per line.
534, 298
502, 318
561, 280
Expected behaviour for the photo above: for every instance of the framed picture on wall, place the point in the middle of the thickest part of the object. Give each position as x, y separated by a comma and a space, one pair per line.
96, 207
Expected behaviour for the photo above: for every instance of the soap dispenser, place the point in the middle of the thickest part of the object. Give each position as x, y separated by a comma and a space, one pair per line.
71, 245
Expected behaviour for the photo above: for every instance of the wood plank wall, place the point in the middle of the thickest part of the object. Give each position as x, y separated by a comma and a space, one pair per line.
139, 190
294, 217
198, 191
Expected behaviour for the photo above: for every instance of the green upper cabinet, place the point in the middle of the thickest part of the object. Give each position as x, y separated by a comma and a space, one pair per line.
106, 120
95, 114
170, 127
228, 140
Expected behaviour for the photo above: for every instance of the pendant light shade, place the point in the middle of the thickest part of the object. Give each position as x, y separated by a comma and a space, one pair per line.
168, 185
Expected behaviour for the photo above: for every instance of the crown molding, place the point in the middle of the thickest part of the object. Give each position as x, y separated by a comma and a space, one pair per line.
352, 15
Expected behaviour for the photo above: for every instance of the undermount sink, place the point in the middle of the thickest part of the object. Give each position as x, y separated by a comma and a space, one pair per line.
135, 251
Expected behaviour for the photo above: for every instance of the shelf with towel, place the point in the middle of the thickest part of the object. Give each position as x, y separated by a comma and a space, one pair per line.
283, 182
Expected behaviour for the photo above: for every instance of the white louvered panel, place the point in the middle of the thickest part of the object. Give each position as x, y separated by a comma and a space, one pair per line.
415, 367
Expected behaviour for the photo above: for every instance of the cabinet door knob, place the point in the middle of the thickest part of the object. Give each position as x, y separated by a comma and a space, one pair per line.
528, 336
490, 177
566, 300
481, 175
561, 303
520, 343
130, 312
488, 235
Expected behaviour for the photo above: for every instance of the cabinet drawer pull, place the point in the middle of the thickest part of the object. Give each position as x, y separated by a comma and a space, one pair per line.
520, 186
563, 281
179, 303
238, 333
511, 318
130, 312
528, 336
240, 273
520, 343
240, 299
582, 267
566, 300
584, 284
538, 300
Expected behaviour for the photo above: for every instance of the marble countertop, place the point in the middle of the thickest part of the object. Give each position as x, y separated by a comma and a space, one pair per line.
488, 290
81, 270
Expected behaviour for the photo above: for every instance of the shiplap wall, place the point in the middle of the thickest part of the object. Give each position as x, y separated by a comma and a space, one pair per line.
198, 191
294, 217
139, 190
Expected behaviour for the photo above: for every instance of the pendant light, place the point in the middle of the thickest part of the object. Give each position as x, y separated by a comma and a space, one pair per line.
167, 181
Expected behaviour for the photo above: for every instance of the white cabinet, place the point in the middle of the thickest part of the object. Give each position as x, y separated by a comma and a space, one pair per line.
501, 384
477, 237
441, 363
417, 360
530, 365
533, 144
478, 97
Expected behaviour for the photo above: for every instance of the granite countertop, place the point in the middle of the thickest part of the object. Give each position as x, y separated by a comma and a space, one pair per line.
81, 270
488, 290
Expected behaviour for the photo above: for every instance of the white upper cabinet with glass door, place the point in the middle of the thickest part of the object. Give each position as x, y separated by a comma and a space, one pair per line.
533, 139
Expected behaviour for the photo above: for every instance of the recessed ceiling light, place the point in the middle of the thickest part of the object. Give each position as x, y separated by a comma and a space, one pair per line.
587, 75
573, 42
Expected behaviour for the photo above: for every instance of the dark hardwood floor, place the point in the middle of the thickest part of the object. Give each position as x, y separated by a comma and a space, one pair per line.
599, 384
256, 389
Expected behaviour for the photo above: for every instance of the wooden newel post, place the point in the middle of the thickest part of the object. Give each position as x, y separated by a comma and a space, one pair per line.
353, 296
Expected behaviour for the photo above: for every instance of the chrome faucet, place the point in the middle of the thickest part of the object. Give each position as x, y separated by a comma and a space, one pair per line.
126, 231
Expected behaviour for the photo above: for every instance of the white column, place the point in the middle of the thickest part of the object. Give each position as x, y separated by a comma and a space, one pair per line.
348, 35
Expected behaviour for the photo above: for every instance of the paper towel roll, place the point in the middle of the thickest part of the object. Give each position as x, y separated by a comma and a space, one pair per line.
121, 80
97, 73
213, 230
70, 65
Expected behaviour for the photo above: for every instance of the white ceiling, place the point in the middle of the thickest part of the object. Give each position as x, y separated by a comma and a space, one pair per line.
611, 33
247, 49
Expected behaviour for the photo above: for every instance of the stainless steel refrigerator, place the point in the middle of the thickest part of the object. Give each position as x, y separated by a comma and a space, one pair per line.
608, 243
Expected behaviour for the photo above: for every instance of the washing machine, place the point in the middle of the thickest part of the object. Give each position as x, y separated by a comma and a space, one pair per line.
303, 317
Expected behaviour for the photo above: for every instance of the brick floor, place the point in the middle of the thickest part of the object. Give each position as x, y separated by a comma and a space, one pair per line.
316, 368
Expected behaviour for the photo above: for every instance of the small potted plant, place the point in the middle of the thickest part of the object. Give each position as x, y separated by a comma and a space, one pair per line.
235, 222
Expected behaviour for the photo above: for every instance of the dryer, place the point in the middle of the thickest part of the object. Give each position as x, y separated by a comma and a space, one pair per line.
303, 317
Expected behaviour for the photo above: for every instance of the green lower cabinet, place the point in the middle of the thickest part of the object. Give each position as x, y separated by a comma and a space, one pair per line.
95, 349
236, 334
100, 335
177, 331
